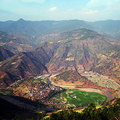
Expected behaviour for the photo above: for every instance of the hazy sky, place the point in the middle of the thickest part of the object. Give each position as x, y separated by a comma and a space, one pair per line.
90, 10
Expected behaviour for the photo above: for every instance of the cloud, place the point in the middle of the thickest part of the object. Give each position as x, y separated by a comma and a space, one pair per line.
53, 9
100, 10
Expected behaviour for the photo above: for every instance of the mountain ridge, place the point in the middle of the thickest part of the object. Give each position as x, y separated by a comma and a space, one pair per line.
34, 29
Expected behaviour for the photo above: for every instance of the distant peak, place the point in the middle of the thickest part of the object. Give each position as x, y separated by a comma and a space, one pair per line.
21, 20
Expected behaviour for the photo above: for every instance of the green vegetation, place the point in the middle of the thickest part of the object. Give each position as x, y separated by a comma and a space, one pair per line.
108, 112
77, 98
64, 75
88, 34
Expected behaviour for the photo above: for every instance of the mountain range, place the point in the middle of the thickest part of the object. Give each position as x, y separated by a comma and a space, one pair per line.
46, 63
80, 50
33, 30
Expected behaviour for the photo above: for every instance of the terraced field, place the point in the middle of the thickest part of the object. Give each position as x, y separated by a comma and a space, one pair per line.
77, 98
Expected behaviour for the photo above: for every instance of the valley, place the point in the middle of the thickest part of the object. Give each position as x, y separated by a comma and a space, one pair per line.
56, 92
102, 85
48, 67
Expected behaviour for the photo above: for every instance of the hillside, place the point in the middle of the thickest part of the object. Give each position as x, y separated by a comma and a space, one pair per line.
109, 27
36, 88
80, 50
70, 76
37, 28
9, 111
14, 43
5, 54
84, 50
72, 79
110, 65
13, 107
33, 30
91, 112
18, 67
26, 64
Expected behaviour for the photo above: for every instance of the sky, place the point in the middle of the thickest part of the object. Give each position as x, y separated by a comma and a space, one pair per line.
89, 10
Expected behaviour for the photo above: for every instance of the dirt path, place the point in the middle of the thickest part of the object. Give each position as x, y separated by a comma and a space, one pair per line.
82, 89
91, 90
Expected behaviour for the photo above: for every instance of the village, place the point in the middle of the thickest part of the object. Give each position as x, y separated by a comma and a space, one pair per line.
37, 88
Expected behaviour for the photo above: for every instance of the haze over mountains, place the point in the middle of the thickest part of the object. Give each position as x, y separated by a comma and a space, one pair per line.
33, 29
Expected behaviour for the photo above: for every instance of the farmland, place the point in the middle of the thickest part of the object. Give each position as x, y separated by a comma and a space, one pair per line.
101, 80
77, 98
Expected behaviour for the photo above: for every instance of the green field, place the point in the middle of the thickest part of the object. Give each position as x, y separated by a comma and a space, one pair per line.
75, 97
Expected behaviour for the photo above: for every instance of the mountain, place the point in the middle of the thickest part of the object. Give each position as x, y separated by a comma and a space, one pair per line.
85, 50
34, 27
25, 64
70, 76
33, 30
13, 43
110, 27
18, 67
110, 65
20, 26
74, 34
5, 54
73, 79
80, 50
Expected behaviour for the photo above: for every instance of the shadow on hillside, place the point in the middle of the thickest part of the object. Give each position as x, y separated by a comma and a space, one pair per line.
9, 107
